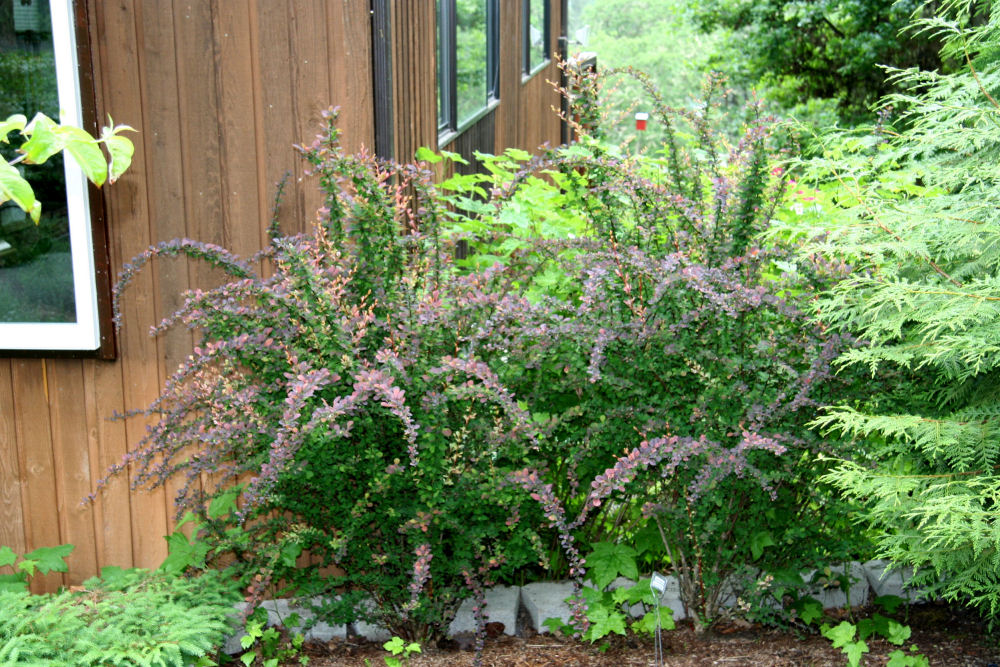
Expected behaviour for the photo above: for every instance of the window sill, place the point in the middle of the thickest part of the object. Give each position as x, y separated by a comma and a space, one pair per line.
528, 76
447, 136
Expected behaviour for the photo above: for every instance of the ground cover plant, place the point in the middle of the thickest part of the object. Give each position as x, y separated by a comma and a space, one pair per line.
123, 617
917, 220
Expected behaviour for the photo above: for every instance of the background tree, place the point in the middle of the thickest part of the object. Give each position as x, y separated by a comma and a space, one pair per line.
826, 49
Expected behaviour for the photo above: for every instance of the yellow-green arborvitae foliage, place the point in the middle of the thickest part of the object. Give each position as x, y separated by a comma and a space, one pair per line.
919, 223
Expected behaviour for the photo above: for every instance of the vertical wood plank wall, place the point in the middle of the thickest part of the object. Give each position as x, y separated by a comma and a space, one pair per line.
219, 90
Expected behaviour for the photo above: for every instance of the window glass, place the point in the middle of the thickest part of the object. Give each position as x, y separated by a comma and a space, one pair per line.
536, 34
471, 72
47, 291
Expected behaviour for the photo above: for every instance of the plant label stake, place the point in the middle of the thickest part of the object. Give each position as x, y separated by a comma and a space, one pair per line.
657, 582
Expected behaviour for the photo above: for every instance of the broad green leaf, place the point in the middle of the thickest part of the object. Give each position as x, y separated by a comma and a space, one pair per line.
27, 566
517, 154
556, 626
51, 559
7, 556
14, 123
425, 154
181, 553
809, 609
648, 622
15, 188
289, 553
454, 157
603, 623
394, 645
86, 152
44, 141
609, 560
854, 651
889, 602
121, 150
897, 633
224, 503
839, 635
760, 541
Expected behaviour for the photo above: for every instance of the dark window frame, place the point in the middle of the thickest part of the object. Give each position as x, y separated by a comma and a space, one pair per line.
527, 70
448, 123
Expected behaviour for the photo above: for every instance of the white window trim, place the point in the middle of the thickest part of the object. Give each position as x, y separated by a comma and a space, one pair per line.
85, 333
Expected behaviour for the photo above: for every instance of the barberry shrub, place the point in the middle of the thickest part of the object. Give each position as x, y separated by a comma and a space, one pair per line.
667, 354
342, 389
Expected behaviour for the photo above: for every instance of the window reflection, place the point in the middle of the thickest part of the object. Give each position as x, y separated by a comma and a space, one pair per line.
36, 271
470, 58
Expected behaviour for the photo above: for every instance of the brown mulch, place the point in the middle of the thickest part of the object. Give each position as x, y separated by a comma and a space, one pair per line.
947, 636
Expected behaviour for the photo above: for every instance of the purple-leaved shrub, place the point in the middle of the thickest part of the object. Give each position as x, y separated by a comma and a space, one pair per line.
343, 390
670, 331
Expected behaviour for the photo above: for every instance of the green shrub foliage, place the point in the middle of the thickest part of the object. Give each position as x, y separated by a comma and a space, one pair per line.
666, 354
920, 224
127, 617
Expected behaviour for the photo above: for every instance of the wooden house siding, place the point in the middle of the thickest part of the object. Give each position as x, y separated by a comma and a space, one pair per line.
219, 91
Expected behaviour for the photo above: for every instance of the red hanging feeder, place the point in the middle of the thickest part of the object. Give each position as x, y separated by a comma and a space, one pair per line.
640, 120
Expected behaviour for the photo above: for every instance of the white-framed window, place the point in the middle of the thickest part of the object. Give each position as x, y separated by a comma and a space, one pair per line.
48, 290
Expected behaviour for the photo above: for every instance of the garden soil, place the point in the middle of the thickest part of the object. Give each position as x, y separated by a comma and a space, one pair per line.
946, 635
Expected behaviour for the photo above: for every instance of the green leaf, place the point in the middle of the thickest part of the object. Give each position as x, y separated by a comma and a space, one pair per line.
809, 609
43, 140
248, 658
854, 651
13, 187
608, 561
604, 622
425, 154
647, 623
889, 602
839, 635
760, 541
7, 556
897, 633
517, 154
121, 151
224, 503
27, 566
556, 626
13, 123
289, 553
454, 157
86, 152
394, 645
51, 559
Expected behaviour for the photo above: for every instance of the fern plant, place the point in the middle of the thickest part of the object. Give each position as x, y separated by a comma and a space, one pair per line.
920, 224
128, 617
